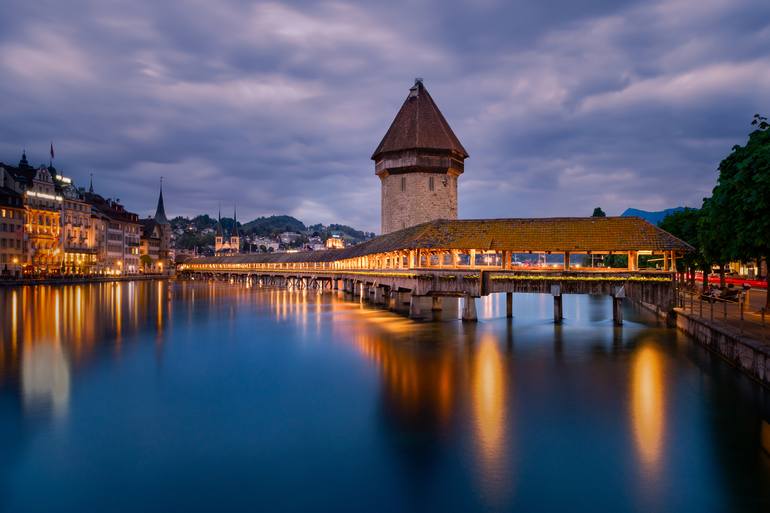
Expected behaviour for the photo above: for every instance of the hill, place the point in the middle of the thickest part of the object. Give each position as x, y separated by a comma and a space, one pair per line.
653, 217
272, 225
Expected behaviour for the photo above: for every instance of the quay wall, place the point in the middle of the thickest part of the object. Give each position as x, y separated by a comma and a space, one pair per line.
78, 281
747, 354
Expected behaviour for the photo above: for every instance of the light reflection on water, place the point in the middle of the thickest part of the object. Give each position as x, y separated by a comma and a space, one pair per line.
369, 410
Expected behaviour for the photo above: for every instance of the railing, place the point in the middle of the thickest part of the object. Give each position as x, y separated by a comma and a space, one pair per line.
734, 311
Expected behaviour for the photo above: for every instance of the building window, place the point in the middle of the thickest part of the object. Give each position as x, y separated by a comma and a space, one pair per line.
403, 184
431, 185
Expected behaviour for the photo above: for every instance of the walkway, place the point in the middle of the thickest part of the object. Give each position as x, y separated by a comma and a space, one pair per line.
728, 314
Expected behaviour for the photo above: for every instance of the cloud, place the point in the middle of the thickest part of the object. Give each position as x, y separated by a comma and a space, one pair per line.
277, 106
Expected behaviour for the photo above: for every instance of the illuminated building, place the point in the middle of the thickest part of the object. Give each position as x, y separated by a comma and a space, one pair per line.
122, 235
80, 242
335, 242
43, 248
227, 245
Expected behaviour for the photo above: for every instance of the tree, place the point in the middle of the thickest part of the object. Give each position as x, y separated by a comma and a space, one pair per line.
743, 192
716, 235
145, 261
684, 225
598, 212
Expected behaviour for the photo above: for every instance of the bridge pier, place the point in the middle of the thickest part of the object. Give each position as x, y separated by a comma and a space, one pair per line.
437, 303
415, 312
558, 312
377, 295
469, 309
509, 305
392, 300
617, 305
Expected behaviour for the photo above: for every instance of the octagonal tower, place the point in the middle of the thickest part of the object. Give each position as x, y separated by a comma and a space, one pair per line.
418, 161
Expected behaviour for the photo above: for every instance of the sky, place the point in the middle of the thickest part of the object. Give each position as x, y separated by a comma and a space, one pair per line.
277, 106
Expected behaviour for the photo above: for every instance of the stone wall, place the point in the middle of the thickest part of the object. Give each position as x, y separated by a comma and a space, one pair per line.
749, 355
416, 203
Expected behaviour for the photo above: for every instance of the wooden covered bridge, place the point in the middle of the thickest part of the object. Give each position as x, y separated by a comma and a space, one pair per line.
473, 258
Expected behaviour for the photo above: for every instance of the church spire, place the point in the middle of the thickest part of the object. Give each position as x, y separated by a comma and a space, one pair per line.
220, 231
23, 163
160, 211
91, 184
235, 222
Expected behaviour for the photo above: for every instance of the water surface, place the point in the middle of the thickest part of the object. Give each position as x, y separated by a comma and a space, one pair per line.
152, 396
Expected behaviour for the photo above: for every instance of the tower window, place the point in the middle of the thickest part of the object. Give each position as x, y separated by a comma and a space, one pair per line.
431, 185
403, 184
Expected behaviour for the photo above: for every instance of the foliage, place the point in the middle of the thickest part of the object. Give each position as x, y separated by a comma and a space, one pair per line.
736, 221
684, 225
273, 225
145, 261
598, 212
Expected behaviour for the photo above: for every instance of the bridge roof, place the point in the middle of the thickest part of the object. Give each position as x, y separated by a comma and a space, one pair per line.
558, 234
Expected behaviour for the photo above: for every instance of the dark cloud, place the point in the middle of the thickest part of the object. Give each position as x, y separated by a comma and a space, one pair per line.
562, 105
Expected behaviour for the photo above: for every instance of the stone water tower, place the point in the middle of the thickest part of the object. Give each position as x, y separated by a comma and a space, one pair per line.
418, 161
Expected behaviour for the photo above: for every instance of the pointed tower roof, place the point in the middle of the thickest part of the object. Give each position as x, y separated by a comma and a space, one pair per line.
24, 163
419, 125
160, 211
235, 222
219, 223
91, 184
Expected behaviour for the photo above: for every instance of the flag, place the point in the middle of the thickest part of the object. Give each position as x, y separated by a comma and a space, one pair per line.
51, 150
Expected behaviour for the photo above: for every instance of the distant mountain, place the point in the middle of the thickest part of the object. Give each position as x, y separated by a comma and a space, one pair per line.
651, 217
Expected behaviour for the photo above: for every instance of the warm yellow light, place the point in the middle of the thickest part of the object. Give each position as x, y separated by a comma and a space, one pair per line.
648, 404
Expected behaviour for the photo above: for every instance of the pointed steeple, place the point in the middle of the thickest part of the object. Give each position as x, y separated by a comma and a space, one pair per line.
220, 231
91, 184
23, 163
235, 223
419, 125
160, 211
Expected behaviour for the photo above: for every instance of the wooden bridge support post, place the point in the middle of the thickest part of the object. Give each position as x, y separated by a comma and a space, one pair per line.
618, 294
469, 309
509, 304
437, 303
558, 312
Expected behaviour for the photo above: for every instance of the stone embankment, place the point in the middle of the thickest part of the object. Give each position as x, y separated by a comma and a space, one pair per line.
85, 279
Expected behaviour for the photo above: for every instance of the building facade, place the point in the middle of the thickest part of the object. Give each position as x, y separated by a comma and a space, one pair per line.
156, 240
122, 235
43, 241
11, 225
419, 161
79, 237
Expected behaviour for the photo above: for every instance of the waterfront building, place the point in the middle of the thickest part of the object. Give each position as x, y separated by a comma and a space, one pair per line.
79, 237
155, 240
419, 161
123, 232
11, 225
150, 245
43, 205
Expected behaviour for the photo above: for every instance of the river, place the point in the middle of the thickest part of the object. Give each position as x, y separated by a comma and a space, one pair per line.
191, 396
